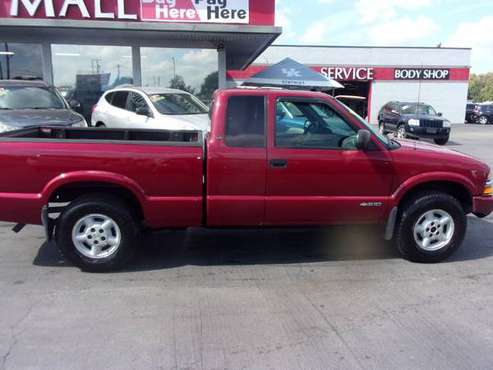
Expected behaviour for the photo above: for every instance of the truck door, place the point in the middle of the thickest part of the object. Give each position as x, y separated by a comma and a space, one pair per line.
316, 175
237, 163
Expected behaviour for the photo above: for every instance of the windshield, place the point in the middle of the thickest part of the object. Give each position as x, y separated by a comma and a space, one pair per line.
383, 138
178, 104
23, 97
419, 109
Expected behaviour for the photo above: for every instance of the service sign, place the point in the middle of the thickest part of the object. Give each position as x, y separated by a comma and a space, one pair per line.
421, 74
348, 73
201, 11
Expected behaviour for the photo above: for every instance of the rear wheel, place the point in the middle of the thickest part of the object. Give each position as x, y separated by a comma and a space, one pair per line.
97, 233
100, 124
431, 227
483, 120
441, 141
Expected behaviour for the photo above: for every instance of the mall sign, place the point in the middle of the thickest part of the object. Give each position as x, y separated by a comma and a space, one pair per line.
179, 11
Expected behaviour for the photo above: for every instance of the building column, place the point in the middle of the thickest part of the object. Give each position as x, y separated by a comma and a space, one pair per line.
47, 63
221, 54
136, 65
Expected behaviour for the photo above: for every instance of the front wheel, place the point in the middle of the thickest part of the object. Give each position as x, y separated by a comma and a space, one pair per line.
441, 141
401, 132
97, 233
483, 120
431, 227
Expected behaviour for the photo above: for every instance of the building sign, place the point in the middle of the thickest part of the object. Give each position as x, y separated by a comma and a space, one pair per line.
204, 11
348, 73
253, 12
421, 74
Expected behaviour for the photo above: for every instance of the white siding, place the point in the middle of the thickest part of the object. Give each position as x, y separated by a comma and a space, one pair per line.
447, 97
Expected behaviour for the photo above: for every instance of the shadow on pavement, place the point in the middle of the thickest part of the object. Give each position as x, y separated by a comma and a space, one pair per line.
206, 247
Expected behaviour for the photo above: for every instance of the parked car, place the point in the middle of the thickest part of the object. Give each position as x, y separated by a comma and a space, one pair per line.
471, 113
414, 120
484, 114
96, 189
150, 108
34, 103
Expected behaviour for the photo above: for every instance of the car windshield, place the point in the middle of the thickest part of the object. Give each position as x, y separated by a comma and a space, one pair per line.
383, 138
419, 109
178, 104
29, 97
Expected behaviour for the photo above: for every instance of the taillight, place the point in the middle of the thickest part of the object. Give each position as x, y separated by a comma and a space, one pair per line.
488, 189
94, 107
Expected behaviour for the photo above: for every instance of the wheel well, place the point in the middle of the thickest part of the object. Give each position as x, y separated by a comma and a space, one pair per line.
448, 187
99, 123
70, 192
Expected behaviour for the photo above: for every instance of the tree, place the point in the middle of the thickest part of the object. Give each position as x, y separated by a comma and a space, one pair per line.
178, 82
211, 84
481, 87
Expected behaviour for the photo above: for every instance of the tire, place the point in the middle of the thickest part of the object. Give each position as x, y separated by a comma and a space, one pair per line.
381, 128
401, 132
409, 241
100, 125
483, 120
442, 141
121, 230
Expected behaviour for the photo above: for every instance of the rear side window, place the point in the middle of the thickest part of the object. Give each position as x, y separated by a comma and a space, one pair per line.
245, 122
109, 97
120, 99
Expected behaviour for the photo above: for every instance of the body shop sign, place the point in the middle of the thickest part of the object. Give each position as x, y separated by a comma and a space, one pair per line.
201, 11
421, 74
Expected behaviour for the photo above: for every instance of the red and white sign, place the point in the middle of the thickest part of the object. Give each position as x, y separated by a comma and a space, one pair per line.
250, 12
203, 11
347, 73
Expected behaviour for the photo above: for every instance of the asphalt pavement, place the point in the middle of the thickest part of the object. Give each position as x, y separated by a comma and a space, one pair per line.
275, 299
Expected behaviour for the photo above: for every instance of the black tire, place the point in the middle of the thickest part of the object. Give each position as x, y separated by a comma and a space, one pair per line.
442, 141
100, 125
105, 205
483, 120
410, 215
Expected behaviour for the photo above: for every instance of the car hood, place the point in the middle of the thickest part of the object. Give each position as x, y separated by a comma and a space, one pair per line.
36, 117
200, 122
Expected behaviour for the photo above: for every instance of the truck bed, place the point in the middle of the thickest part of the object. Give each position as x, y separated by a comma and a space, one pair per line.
162, 169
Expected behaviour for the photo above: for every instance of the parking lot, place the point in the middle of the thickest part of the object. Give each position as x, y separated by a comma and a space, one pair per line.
275, 299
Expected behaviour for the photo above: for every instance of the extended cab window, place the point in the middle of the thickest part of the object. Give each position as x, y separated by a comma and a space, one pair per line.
301, 124
245, 122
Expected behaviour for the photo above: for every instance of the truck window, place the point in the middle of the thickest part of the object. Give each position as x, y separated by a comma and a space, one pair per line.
318, 127
245, 122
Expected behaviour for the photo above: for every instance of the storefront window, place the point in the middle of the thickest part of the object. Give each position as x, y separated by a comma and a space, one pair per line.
84, 72
192, 70
18, 60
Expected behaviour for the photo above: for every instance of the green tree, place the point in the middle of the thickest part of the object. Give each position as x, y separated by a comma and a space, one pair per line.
481, 87
211, 84
178, 82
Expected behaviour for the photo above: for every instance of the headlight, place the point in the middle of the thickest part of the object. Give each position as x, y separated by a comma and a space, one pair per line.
413, 122
447, 124
6, 128
81, 123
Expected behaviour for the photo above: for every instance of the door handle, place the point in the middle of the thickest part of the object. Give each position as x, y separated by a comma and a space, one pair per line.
279, 163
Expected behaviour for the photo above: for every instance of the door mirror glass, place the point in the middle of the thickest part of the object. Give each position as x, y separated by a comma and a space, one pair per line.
440, 114
74, 104
363, 139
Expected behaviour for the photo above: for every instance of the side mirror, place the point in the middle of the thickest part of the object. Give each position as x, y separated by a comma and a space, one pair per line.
363, 139
142, 111
440, 114
74, 104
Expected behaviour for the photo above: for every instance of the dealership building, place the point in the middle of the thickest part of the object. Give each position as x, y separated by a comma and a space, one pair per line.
85, 47
436, 76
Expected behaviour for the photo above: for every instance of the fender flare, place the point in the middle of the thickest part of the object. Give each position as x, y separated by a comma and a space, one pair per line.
104, 177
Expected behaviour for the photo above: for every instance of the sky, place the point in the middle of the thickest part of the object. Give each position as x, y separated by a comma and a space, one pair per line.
452, 23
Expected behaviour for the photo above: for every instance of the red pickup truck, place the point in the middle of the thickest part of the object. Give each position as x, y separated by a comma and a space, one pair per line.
273, 158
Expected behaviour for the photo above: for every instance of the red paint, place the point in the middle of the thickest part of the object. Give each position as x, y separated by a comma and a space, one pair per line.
262, 12
379, 73
317, 187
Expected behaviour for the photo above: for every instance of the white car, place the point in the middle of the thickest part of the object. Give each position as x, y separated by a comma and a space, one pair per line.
150, 108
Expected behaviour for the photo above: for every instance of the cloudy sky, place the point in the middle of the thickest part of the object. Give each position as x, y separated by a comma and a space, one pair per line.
456, 23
